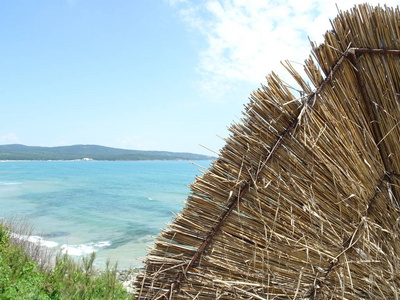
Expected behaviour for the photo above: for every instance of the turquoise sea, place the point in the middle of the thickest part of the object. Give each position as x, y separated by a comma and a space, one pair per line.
112, 208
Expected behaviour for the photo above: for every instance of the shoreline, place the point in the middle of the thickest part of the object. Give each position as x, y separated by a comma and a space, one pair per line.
127, 278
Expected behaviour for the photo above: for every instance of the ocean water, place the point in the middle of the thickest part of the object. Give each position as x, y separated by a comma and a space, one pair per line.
112, 208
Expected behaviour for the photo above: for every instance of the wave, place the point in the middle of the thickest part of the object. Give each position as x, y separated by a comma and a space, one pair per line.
76, 250
10, 183
82, 249
35, 240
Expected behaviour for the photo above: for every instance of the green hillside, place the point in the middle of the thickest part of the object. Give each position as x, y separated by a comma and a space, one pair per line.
22, 152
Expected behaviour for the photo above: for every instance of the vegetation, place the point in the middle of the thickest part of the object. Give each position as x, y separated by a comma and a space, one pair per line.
27, 272
21, 152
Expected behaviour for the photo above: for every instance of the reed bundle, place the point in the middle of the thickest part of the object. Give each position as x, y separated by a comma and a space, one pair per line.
303, 201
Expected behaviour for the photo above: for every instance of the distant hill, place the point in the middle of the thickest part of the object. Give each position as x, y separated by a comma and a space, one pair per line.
78, 152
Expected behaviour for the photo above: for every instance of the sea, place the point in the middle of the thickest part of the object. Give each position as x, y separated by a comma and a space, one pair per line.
113, 208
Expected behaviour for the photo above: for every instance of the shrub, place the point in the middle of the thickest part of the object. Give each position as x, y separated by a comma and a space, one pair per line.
25, 273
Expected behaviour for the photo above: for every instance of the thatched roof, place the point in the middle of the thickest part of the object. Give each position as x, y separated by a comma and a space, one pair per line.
303, 201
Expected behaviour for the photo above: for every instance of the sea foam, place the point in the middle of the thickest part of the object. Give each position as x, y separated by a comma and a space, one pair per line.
82, 249
35, 240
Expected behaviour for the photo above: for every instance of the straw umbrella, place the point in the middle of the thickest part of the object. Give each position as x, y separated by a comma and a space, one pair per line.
303, 200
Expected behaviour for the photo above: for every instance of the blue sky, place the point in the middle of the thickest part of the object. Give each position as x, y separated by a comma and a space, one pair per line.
144, 74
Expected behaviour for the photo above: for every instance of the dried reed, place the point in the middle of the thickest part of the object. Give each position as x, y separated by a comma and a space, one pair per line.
303, 201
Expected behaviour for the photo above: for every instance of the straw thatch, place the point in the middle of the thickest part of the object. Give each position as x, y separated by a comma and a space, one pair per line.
303, 201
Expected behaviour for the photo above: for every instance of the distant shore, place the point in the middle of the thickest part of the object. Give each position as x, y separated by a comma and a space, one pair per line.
16, 152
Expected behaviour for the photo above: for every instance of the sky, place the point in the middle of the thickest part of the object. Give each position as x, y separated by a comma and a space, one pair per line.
145, 74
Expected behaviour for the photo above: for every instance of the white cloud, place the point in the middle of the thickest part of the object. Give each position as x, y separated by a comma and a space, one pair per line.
247, 39
9, 138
